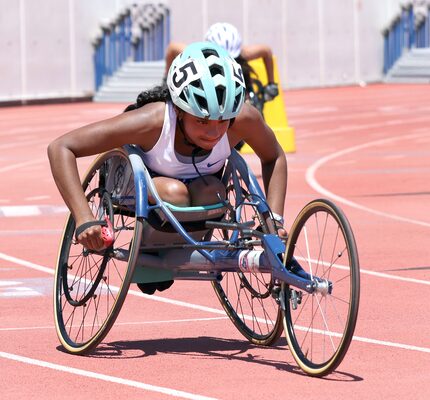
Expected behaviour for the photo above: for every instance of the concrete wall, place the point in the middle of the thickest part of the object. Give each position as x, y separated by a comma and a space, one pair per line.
45, 47
316, 42
46, 51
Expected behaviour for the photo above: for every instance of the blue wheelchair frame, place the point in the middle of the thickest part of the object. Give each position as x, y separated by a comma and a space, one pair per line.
205, 260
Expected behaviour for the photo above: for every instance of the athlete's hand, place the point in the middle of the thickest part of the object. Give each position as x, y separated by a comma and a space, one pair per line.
95, 235
282, 233
271, 91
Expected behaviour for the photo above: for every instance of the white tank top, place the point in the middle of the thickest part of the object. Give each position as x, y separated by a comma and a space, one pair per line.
162, 157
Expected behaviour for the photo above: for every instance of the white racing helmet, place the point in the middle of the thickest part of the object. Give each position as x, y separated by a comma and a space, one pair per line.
206, 82
226, 36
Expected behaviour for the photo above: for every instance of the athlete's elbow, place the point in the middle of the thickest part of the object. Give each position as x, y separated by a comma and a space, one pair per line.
55, 149
267, 51
52, 149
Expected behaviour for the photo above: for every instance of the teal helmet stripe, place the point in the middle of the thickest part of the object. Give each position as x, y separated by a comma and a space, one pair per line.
210, 95
230, 94
206, 82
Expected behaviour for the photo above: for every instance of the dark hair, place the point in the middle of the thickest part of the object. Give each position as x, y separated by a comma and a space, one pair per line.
157, 93
247, 71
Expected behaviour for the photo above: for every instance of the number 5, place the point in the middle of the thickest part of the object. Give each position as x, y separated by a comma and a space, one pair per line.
183, 69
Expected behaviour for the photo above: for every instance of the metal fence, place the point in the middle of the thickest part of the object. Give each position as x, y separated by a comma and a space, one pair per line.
138, 33
409, 29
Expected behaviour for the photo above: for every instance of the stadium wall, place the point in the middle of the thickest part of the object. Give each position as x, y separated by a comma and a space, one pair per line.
46, 50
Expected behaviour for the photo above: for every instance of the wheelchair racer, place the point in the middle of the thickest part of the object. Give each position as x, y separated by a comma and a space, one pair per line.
186, 131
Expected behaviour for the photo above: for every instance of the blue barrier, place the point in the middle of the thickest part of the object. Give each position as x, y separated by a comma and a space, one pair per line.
422, 30
139, 33
427, 28
406, 31
411, 22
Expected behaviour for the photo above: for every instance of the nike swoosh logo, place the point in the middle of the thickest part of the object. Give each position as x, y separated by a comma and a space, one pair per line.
212, 164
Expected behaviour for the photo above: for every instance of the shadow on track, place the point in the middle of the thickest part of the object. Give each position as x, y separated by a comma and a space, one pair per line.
206, 347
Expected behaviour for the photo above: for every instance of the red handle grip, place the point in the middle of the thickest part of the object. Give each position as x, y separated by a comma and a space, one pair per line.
107, 234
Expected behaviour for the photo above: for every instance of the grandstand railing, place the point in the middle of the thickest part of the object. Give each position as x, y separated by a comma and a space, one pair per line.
138, 33
408, 29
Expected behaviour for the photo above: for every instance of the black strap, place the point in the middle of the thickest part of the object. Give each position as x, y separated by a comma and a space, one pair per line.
87, 225
280, 225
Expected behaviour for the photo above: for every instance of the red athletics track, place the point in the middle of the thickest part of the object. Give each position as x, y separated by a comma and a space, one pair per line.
366, 148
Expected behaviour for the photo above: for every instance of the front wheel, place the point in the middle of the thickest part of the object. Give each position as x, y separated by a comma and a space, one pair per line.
319, 326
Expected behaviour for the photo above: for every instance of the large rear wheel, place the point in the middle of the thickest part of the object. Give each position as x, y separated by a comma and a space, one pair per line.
90, 287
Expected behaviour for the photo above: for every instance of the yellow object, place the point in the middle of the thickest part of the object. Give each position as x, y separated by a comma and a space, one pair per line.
274, 110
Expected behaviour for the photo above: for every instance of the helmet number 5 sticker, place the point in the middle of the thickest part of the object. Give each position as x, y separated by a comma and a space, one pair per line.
184, 74
237, 73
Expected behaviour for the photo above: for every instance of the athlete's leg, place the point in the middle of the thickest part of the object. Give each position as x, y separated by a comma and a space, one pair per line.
206, 191
171, 190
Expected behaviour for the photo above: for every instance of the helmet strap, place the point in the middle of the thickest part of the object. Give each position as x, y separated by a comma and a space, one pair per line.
196, 149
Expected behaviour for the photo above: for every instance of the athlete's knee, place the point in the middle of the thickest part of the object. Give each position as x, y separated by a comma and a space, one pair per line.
209, 190
175, 193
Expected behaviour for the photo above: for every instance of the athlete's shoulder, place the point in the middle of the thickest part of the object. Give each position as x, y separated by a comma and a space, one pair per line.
150, 115
248, 115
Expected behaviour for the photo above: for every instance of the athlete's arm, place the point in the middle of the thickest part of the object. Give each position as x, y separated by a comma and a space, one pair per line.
139, 127
256, 51
250, 127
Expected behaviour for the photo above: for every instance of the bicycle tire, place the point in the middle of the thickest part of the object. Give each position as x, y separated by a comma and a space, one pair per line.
319, 327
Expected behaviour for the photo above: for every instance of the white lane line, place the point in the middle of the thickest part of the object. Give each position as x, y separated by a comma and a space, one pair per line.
351, 128
9, 283
394, 277
19, 292
367, 272
176, 302
353, 118
14, 145
20, 211
103, 377
195, 306
37, 198
312, 181
31, 210
23, 164
168, 321
203, 308
392, 344
33, 232
51, 271
27, 264
365, 340
188, 320
209, 309
42, 128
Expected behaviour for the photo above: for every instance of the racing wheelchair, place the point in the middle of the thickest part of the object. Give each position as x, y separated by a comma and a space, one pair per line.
256, 95
307, 285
